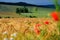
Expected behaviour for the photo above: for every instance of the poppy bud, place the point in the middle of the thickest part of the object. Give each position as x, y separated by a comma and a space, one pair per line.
37, 25
46, 22
37, 31
55, 16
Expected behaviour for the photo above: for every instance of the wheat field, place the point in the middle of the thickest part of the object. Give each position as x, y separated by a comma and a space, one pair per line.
23, 29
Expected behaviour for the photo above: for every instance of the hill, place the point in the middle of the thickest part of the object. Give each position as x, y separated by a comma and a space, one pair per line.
27, 4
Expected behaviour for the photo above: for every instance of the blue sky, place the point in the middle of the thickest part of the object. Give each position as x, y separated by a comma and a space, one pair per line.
37, 2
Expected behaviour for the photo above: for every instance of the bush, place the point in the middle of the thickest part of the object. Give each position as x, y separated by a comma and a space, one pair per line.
32, 16
0, 17
7, 17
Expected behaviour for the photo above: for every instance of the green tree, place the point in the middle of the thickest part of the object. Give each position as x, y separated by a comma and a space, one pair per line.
25, 10
17, 10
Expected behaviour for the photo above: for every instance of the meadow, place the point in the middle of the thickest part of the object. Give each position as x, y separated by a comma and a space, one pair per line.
35, 25
10, 10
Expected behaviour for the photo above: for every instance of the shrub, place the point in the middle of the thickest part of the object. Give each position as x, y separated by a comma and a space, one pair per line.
32, 16
0, 17
7, 17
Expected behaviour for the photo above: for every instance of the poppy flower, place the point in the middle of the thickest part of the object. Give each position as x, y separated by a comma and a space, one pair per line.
37, 25
46, 22
37, 31
14, 34
55, 16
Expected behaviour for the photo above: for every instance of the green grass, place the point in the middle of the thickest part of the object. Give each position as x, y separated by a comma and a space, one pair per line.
10, 10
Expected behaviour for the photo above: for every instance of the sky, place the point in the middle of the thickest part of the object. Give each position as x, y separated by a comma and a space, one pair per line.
37, 2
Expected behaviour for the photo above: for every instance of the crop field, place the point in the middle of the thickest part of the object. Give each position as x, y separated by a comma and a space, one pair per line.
28, 29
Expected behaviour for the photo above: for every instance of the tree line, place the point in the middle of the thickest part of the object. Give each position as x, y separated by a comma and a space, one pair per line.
22, 10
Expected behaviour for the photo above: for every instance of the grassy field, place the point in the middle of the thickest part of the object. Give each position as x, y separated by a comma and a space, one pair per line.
10, 10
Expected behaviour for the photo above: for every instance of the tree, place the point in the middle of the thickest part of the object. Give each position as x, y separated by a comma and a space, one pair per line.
21, 10
17, 10
26, 10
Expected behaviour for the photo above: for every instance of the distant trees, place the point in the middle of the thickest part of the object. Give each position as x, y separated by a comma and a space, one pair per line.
0, 17
32, 16
17, 10
22, 10
26, 10
7, 17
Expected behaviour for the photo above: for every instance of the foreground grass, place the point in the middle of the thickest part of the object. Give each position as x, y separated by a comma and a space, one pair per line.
23, 29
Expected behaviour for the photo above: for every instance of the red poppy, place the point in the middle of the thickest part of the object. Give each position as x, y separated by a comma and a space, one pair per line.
37, 25
46, 22
37, 31
55, 16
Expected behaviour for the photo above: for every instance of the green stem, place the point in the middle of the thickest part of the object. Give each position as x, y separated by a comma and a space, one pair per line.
58, 10
56, 5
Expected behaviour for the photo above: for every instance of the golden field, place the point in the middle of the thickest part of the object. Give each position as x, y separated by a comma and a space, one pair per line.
23, 29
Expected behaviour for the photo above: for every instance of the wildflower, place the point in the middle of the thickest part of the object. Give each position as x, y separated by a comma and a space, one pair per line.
36, 31
46, 22
4, 32
11, 38
37, 25
55, 16
5, 38
14, 34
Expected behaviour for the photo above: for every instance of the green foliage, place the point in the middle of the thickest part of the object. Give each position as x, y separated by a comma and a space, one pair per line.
22, 10
33, 11
56, 5
7, 17
17, 11
32, 16
58, 25
0, 17
25, 10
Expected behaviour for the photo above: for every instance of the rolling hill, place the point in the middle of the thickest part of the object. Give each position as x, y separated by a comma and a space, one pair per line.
27, 4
